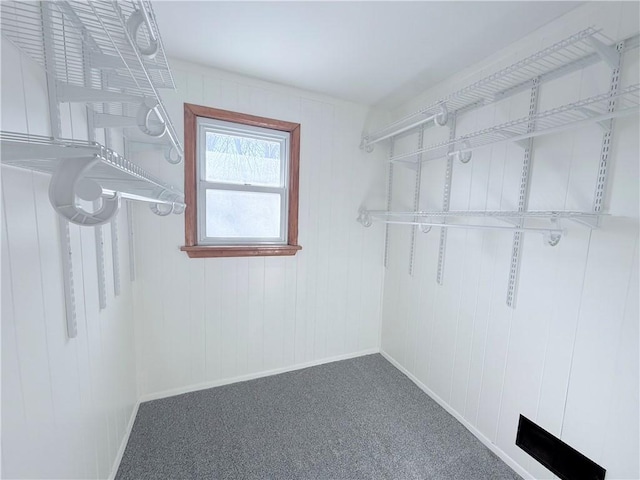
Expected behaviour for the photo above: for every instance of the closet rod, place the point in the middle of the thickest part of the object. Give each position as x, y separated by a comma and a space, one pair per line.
552, 235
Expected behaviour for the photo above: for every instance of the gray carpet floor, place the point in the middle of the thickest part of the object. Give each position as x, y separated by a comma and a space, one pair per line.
354, 419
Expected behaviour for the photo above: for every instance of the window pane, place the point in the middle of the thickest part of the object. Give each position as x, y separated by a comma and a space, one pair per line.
233, 214
242, 160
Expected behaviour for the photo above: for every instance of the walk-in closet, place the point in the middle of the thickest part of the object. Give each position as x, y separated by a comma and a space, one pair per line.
320, 240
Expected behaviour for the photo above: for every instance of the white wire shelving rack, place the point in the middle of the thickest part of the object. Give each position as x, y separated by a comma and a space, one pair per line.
87, 171
552, 231
595, 109
104, 53
108, 56
577, 51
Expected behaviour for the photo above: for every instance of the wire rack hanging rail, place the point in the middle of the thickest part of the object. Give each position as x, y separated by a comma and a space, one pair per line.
591, 110
428, 219
577, 51
105, 53
90, 172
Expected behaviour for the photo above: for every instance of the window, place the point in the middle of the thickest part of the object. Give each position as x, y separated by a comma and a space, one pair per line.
241, 184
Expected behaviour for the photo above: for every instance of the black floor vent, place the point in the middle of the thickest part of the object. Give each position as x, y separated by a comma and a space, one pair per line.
566, 462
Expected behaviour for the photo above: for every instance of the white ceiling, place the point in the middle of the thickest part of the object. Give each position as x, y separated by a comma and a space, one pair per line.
369, 52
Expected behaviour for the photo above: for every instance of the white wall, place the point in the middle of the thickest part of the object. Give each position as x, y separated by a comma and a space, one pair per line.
203, 321
567, 356
66, 403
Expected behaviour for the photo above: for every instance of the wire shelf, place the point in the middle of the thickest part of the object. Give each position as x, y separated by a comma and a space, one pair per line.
91, 45
594, 109
113, 173
516, 220
499, 214
576, 51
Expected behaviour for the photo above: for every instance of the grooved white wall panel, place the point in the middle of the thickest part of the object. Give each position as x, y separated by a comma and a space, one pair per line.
567, 356
202, 321
65, 403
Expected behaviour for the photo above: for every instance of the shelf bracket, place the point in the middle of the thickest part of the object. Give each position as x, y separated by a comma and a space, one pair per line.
523, 143
102, 61
134, 22
364, 218
105, 120
148, 108
604, 124
160, 209
142, 120
68, 182
448, 175
172, 155
591, 222
409, 165
75, 94
510, 220
552, 238
442, 117
608, 54
365, 145
117, 81
463, 155
167, 206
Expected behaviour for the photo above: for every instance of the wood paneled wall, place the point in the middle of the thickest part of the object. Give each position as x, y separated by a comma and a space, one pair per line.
66, 403
202, 321
567, 355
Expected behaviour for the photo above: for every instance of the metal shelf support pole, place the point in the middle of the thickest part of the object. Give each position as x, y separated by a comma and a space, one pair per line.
102, 290
605, 150
115, 256
91, 135
416, 201
448, 174
67, 277
131, 232
66, 253
389, 199
523, 200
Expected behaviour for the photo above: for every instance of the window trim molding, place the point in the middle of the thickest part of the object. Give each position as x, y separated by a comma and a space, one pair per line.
191, 247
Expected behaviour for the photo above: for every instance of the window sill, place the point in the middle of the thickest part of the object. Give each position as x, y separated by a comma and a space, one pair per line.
201, 251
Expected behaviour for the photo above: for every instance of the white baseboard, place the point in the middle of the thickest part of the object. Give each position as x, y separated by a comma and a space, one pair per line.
252, 376
125, 440
491, 446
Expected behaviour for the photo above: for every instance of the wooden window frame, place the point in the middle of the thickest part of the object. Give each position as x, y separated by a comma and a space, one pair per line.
191, 114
